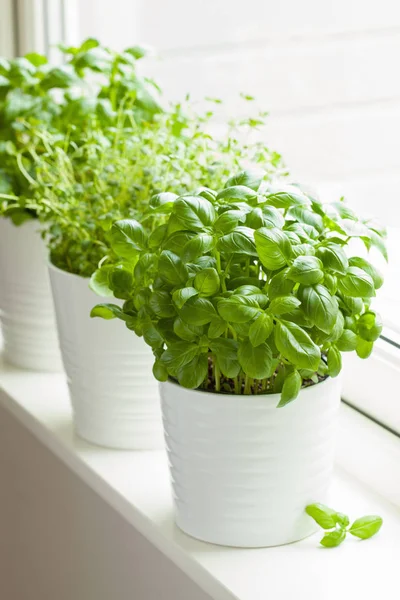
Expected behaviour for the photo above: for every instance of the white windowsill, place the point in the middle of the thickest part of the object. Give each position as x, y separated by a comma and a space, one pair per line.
136, 485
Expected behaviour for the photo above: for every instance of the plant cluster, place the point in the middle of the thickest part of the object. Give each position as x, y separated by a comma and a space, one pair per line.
247, 290
338, 525
89, 90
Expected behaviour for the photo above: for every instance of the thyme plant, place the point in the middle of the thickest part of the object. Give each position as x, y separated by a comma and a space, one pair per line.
247, 289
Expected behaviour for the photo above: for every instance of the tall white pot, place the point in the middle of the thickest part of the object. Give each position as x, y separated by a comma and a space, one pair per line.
114, 395
26, 305
243, 470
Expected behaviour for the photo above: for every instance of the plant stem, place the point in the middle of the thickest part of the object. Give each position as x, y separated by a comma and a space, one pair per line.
217, 374
247, 384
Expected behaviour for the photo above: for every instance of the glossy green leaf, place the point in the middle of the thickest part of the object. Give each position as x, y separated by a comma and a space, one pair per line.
261, 329
182, 295
256, 362
319, 306
334, 361
192, 374
283, 304
237, 309
291, 388
172, 269
369, 326
333, 538
194, 213
366, 266
296, 345
357, 283
307, 270
198, 311
127, 238
333, 258
273, 247
207, 282
107, 311
366, 527
324, 516
240, 240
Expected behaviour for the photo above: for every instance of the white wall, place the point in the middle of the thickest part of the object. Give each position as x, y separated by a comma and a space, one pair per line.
327, 72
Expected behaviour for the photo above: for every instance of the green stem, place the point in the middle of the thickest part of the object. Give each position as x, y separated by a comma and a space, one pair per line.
247, 384
217, 374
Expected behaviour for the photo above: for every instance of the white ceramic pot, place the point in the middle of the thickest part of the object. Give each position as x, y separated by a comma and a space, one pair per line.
26, 305
114, 395
243, 470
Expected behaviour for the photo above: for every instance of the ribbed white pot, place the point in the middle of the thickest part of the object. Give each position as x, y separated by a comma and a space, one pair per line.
114, 395
242, 470
26, 305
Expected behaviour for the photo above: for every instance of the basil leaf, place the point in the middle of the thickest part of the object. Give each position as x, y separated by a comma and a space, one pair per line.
334, 361
207, 282
333, 538
194, 213
250, 178
187, 332
319, 306
369, 326
357, 283
226, 352
283, 304
296, 345
333, 258
237, 193
364, 348
192, 374
366, 527
107, 311
280, 285
261, 329
198, 311
273, 247
238, 309
366, 266
217, 328
159, 371
127, 237
161, 304
287, 199
178, 355
181, 296
324, 516
291, 388
240, 240
347, 341
256, 362
197, 246
171, 268
99, 283
306, 270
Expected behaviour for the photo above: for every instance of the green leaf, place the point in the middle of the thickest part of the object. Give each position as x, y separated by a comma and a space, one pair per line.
280, 285
36, 59
197, 246
333, 258
217, 328
324, 516
107, 311
198, 311
178, 354
369, 326
192, 374
171, 268
162, 203
187, 332
347, 341
250, 178
291, 388
161, 304
207, 282
366, 527
319, 306
237, 193
283, 304
334, 361
226, 353
240, 240
194, 213
181, 296
261, 329
273, 247
296, 345
127, 237
305, 215
256, 362
238, 309
366, 266
364, 348
287, 199
62, 77
307, 270
228, 220
357, 283
137, 51
99, 281
330, 282
159, 371
333, 538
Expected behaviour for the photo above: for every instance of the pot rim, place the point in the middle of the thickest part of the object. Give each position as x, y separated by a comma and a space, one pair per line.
254, 396
53, 267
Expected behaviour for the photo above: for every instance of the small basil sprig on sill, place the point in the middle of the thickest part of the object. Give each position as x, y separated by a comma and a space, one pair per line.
338, 525
246, 290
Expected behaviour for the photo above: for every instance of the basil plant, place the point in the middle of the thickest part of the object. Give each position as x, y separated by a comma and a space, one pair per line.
245, 290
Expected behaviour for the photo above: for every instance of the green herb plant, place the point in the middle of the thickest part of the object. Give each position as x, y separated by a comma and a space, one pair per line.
338, 525
89, 90
80, 189
245, 290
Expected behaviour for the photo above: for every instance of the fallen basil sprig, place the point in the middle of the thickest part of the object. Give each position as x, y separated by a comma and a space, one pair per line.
338, 525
